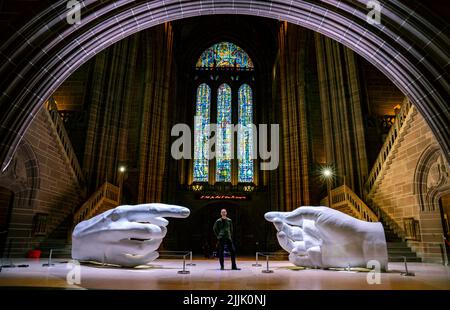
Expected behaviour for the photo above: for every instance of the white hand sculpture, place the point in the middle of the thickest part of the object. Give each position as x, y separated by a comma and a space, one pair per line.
126, 236
323, 237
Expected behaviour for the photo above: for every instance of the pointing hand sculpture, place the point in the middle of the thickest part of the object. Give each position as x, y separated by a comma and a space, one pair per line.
323, 237
126, 236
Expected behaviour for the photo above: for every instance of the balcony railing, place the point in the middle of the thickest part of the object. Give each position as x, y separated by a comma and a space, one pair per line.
107, 193
343, 196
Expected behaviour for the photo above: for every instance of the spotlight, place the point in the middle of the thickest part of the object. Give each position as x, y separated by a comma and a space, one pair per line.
122, 169
327, 172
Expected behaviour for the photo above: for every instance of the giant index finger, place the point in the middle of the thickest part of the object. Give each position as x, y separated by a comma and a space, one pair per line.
293, 232
149, 211
296, 216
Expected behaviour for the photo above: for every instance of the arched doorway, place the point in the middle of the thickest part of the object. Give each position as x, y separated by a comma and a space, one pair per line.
202, 227
406, 47
6, 204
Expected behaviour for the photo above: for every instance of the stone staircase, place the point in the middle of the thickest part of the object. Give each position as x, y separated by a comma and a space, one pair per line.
397, 248
59, 240
345, 200
60, 223
63, 138
103, 199
395, 136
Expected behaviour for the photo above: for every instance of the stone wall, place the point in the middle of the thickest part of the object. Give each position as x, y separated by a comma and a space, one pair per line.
413, 179
128, 100
70, 96
42, 182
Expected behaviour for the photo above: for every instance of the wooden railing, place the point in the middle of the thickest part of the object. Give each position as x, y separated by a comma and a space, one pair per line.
387, 146
107, 193
343, 196
65, 141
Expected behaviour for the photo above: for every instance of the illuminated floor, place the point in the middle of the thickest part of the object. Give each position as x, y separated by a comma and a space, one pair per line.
162, 274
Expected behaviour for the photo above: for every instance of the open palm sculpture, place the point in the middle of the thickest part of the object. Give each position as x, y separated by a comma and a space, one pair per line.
128, 235
323, 237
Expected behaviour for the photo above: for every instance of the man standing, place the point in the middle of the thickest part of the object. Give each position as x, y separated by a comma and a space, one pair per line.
223, 228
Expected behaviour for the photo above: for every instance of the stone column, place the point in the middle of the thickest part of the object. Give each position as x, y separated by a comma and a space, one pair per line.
343, 126
293, 176
155, 130
108, 96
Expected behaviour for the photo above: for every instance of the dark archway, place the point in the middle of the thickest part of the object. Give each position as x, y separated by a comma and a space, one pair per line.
204, 218
407, 47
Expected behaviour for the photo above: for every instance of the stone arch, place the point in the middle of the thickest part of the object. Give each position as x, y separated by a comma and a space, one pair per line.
431, 178
22, 176
407, 47
22, 179
32, 170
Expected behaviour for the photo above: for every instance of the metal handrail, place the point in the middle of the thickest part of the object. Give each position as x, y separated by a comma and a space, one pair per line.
267, 255
49, 262
407, 273
190, 256
183, 254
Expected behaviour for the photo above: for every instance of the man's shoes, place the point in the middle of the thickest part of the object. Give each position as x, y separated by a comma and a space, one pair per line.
221, 268
235, 268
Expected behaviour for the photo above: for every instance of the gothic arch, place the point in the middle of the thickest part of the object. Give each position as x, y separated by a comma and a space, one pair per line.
431, 178
22, 176
407, 47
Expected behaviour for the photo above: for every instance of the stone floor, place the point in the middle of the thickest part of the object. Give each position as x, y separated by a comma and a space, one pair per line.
205, 275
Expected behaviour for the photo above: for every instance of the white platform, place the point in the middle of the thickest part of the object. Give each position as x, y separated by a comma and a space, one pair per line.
162, 274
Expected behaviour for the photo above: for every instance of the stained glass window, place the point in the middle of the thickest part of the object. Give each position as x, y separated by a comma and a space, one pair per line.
225, 54
245, 137
201, 133
224, 134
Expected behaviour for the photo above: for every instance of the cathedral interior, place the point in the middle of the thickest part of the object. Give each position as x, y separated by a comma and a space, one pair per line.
341, 129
